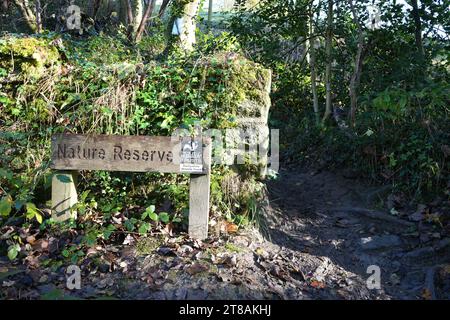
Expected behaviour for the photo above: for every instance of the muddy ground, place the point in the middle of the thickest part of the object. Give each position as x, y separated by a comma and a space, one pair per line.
318, 234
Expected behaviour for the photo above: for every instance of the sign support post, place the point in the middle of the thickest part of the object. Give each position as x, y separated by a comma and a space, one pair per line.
64, 195
199, 194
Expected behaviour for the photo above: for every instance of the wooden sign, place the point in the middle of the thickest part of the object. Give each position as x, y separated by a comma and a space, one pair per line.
127, 153
71, 153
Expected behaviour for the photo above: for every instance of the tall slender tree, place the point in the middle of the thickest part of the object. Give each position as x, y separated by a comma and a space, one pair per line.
358, 63
328, 47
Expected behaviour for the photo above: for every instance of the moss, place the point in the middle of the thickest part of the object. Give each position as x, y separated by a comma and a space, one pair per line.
246, 83
147, 246
28, 56
233, 248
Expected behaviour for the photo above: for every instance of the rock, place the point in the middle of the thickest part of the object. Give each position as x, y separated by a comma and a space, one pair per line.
184, 249
418, 215
166, 251
43, 279
29, 55
104, 268
197, 294
250, 84
380, 242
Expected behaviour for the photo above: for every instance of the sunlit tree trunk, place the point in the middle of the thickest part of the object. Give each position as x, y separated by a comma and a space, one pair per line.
38, 16
131, 15
183, 21
328, 44
210, 11
27, 13
147, 15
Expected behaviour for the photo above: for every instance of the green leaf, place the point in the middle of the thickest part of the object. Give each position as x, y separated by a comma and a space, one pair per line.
129, 225
5, 207
39, 218
143, 229
164, 217
65, 253
151, 208
33, 212
108, 231
13, 251
153, 216
5, 173
84, 195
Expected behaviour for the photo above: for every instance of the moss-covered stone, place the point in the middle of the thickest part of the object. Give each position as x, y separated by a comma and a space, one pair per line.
249, 88
27, 56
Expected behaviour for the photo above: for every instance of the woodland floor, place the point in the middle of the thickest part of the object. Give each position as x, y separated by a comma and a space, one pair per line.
320, 235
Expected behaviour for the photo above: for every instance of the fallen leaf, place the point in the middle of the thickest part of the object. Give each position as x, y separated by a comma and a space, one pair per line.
426, 294
168, 229
231, 227
230, 261
196, 268
259, 251
31, 239
317, 284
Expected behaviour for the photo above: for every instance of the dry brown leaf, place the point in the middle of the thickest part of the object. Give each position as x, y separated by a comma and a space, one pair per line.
426, 294
231, 227
317, 284
196, 268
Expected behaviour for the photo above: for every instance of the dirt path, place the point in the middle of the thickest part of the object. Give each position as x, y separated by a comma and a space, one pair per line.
320, 238
324, 214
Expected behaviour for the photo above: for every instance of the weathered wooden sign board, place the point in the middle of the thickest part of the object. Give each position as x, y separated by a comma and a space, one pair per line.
71, 153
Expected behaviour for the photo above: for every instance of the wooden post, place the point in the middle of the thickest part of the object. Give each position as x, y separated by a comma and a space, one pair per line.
64, 195
199, 192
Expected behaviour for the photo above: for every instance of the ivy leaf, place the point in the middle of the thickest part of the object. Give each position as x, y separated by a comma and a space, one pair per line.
164, 217
108, 231
129, 225
5, 207
153, 216
31, 211
13, 251
5, 173
143, 229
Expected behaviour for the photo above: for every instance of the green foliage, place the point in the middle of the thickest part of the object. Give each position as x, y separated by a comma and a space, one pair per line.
402, 119
103, 85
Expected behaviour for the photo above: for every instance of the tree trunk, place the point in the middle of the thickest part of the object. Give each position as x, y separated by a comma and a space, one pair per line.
354, 80
210, 11
329, 39
312, 64
147, 15
163, 8
133, 14
95, 8
183, 23
417, 29
38, 16
27, 13
5, 5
